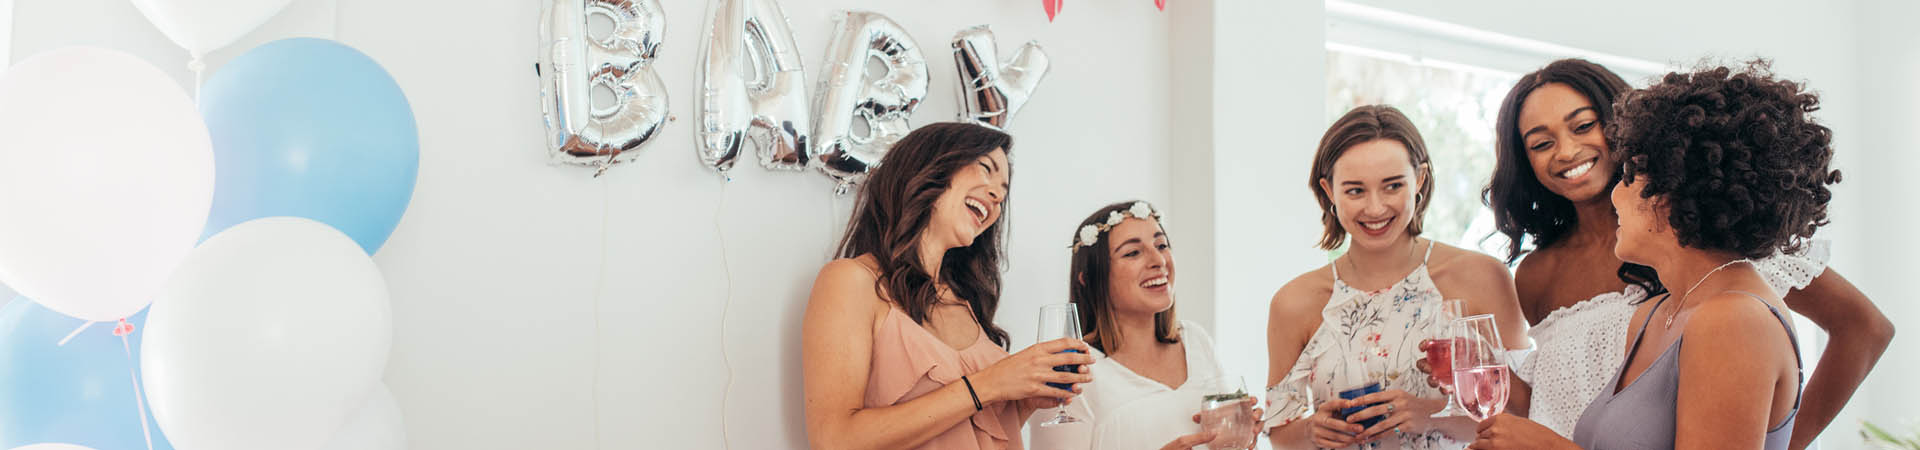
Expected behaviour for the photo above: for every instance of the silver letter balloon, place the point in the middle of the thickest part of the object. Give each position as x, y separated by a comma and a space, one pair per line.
572, 64
992, 91
751, 87
849, 96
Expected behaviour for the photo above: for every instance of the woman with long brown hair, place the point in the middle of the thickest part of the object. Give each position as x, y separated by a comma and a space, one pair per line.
899, 348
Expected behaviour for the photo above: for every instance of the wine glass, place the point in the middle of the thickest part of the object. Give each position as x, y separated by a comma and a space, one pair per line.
1061, 320
1440, 355
1480, 367
1228, 413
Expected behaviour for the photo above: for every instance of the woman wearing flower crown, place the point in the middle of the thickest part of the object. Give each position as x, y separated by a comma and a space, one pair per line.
1361, 318
898, 346
1154, 370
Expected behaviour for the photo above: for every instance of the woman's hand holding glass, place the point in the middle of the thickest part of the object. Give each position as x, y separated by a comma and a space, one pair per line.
1024, 375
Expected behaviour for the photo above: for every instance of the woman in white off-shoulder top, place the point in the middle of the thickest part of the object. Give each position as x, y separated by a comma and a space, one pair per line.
1552, 178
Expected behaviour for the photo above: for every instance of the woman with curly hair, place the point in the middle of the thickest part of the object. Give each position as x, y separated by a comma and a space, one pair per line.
1554, 174
1718, 168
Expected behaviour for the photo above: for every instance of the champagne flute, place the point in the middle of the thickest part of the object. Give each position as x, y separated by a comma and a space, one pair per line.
1061, 320
1480, 367
1440, 355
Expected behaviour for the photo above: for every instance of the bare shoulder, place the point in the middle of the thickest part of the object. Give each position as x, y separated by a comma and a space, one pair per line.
1305, 294
1535, 272
1458, 265
1729, 329
861, 268
1733, 315
847, 285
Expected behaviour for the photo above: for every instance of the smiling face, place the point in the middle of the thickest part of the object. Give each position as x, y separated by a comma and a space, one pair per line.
1372, 188
972, 200
1140, 276
1561, 132
1642, 230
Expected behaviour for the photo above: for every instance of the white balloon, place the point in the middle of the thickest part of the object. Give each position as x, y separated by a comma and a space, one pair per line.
204, 25
52, 447
106, 177
378, 426
272, 334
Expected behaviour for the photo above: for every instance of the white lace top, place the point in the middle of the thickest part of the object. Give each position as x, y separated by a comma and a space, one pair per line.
1130, 411
1578, 348
1369, 336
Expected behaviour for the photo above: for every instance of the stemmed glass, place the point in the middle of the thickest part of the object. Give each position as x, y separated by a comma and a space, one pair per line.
1480, 367
1061, 320
1440, 354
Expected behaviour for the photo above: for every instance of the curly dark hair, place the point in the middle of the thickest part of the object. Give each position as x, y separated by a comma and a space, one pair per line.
1733, 155
1521, 205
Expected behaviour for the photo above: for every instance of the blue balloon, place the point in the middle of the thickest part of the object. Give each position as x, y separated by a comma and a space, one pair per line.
310, 128
80, 393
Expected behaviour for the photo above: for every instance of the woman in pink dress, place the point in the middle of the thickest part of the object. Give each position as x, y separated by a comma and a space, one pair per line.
899, 349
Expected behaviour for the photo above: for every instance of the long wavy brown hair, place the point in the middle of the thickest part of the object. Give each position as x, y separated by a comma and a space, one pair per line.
896, 203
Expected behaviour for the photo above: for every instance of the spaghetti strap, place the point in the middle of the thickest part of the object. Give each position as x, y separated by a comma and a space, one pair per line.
1429, 257
1635, 349
1791, 338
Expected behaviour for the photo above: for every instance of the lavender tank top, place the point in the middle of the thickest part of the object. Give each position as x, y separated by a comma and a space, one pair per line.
1641, 416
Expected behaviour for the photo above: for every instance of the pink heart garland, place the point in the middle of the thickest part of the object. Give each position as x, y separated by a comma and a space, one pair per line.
1053, 7
1162, 4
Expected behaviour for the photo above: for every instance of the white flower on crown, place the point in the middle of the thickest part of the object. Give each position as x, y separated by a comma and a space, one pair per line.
1141, 210
1088, 235
1114, 218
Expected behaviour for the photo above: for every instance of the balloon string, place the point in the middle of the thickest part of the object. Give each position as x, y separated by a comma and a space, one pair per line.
199, 68
599, 286
726, 268
76, 332
139, 399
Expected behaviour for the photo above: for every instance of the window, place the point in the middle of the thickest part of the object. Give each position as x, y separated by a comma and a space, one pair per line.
1454, 107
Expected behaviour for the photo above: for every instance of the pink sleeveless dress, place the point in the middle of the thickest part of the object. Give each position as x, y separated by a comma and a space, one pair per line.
909, 361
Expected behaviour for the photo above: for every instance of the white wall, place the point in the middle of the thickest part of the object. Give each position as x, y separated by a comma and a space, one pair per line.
1889, 54
535, 307
538, 308
1249, 89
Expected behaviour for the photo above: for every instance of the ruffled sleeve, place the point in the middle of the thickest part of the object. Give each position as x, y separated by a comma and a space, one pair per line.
1786, 272
901, 361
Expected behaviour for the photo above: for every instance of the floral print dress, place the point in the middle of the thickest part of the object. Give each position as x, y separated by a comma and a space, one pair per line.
1365, 337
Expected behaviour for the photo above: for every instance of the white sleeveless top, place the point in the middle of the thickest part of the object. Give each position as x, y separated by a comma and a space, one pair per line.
1364, 333
1130, 411
1578, 348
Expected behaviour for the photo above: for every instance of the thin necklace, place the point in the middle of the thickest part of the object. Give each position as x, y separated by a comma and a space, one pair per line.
1696, 285
1412, 246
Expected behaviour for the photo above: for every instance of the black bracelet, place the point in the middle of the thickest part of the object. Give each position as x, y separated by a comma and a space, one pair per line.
976, 396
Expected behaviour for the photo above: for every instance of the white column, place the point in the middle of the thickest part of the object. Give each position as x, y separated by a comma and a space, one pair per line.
1248, 94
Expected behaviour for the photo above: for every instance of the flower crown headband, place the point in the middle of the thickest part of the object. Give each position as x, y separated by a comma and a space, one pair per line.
1090, 234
